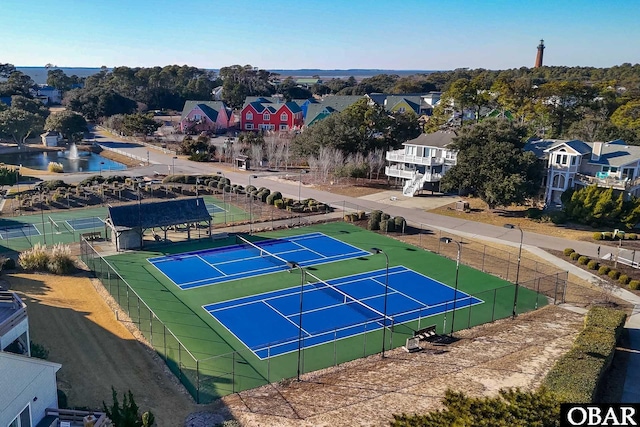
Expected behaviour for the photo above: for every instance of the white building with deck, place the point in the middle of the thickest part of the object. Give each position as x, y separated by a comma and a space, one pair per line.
422, 162
573, 164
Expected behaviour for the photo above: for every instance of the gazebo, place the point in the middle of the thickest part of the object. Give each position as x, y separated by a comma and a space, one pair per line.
129, 222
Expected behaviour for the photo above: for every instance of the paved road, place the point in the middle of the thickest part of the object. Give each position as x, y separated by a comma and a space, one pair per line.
164, 163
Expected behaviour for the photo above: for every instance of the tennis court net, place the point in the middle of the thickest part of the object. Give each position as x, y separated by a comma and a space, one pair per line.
346, 298
275, 259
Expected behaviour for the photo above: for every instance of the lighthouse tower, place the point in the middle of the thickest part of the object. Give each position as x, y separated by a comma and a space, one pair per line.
539, 55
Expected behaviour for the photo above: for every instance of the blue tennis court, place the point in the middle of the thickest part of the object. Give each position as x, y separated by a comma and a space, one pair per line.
268, 323
24, 230
212, 266
85, 223
213, 208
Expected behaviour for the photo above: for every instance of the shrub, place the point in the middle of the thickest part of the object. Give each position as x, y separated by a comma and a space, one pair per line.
634, 285
376, 214
624, 279
632, 236
597, 235
574, 256
362, 215
593, 265
263, 195
604, 270
583, 260
399, 222
276, 195
39, 351
278, 204
385, 216
60, 261
373, 224
387, 225
7, 264
614, 274
35, 258
568, 251
534, 213
54, 184
55, 167
575, 376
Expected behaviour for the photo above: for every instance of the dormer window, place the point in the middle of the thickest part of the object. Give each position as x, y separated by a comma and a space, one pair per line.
283, 117
266, 116
249, 115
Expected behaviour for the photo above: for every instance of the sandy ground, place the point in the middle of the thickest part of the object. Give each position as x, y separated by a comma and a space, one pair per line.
70, 318
366, 392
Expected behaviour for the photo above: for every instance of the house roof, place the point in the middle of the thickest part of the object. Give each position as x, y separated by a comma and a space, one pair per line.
540, 147
17, 371
207, 107
412, 100
616, 153
158, 214
6, 100
439, 139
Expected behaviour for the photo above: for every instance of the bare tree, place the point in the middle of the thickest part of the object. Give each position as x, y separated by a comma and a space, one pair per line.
376, 162
257, 153
271, 148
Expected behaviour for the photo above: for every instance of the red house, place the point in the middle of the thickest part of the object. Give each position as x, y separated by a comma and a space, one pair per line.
270, 114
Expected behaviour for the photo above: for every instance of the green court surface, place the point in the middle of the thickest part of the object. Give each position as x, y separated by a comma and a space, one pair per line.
65, 226
215, 363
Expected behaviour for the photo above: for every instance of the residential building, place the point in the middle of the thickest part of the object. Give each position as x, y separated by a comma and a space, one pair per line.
212, 117
28, 388
422, 104
14, 325
316, 110
422, 162
49, 95
270, 114
571, 164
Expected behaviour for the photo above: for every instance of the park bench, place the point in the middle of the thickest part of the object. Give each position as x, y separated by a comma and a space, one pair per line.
94, 235
425, 333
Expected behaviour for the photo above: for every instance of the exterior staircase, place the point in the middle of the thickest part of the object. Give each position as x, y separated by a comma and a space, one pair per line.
413, 185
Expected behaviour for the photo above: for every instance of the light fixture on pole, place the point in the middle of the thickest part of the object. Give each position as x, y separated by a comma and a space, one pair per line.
515, 295
44, 232
250, 204
173, 165
455, 290
101, 165
224, 203
293, 264
300, 183
386, 292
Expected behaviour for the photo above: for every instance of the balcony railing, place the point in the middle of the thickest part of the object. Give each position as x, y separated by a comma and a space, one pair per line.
11, 301
399, 173
400, 157
613, 182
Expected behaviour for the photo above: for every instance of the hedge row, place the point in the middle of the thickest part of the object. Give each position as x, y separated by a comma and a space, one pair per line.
607, 235
575, 376
379, 220
603, 270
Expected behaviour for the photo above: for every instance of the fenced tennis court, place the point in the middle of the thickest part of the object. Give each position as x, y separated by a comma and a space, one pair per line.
85, 223
213, 357
24, 230
335, 309
247, 259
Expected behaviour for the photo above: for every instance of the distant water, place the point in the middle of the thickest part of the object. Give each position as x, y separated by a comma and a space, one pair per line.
39, 74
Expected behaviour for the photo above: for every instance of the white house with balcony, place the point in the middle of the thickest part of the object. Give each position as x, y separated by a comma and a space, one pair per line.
422, 162
572, 164
14, 324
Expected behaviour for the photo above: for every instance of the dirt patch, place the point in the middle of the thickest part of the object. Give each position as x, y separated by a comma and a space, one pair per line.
70, 318
127, 161
507, 353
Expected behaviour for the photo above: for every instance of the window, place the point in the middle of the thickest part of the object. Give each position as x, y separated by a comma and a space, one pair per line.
284, 127
573, 160
401, 110
197, 117
561, 159
22, 420
266, 116
284, 117
249, 115
248, 126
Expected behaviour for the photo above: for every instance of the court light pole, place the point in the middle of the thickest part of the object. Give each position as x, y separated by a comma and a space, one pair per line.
293, 264
223, 198
455, 290
250, 204
386, 292
18, 184
173, 165
300, 183
44, 232
515, 295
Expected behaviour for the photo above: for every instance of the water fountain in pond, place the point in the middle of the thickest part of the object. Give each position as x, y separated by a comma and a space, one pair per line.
73, 151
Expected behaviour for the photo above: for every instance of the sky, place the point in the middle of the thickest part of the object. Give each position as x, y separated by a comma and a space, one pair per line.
328, 34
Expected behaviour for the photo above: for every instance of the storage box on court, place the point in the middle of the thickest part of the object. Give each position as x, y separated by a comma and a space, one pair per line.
462, 206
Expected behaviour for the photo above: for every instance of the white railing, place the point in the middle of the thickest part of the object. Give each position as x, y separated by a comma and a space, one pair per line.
399, 173
399, 156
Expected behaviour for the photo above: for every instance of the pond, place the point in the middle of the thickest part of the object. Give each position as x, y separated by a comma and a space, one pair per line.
75, 162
